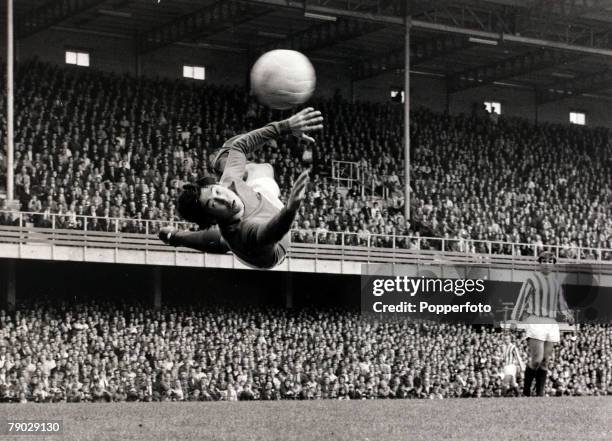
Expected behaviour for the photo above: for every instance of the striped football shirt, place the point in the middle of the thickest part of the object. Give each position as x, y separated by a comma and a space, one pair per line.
511, 355
541, 295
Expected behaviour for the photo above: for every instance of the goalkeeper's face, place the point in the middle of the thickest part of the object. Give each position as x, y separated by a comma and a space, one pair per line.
221, 203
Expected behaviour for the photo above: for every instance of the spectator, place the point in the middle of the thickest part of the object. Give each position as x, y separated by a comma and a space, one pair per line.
472, 177
103, 352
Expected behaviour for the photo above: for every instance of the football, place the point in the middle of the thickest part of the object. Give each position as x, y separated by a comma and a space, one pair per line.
282, 79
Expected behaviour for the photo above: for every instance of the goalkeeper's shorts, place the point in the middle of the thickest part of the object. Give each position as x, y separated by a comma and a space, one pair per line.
542, 328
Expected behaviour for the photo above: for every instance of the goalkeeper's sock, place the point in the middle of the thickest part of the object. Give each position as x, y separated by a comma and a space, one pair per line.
541, 375
527, 380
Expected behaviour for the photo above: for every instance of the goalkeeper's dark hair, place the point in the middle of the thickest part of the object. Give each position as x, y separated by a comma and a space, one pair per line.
190, 207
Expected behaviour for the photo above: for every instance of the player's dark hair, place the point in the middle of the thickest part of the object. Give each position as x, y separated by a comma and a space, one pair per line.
189, 206
546, 255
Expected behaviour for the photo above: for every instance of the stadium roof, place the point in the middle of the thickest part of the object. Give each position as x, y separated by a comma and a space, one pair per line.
557, 47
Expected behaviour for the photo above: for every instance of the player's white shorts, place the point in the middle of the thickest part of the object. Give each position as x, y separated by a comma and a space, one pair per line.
510, 369
540, 328
510, 375
268, 189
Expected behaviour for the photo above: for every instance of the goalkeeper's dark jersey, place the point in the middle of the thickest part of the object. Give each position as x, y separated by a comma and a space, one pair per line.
261, 237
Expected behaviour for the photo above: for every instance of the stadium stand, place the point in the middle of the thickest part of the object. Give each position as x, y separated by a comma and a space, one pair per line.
102, 352
110, 146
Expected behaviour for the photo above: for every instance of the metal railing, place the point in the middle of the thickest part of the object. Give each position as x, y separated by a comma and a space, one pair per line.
346, 174
23, 225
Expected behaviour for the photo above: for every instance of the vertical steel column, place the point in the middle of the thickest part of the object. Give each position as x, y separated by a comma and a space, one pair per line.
289, 298
10, 192
11, 284
157, 287
408, 25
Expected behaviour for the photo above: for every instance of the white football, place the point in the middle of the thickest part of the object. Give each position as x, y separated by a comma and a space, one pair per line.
282, 79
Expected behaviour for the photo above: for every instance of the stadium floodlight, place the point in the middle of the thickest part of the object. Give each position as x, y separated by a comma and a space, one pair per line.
320, 16
483, 41
562, 75
272, 35
112, 13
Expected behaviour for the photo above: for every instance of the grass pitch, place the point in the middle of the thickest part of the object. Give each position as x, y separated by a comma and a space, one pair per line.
465, 419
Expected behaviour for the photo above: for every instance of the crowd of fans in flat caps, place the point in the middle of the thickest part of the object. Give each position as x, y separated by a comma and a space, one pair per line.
54, 352
97, 144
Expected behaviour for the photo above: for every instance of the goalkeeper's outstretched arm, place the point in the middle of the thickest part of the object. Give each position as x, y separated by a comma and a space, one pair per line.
207, 241
300, 124
277, 227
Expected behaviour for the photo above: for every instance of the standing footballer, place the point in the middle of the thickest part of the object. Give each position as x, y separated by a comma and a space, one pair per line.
540, 303
512, 361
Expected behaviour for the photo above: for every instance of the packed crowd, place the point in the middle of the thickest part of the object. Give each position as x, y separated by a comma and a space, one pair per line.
97, 144
104, 352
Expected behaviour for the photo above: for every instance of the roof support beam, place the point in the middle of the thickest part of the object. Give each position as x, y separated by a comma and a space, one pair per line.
512, 38
325, 34
570, 8
50, 13
206, 21
419, 7
421, 52
325, 10
508, 68
428, 23
575, 86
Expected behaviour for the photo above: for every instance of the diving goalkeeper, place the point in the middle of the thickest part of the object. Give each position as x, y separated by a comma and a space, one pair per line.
242, 213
